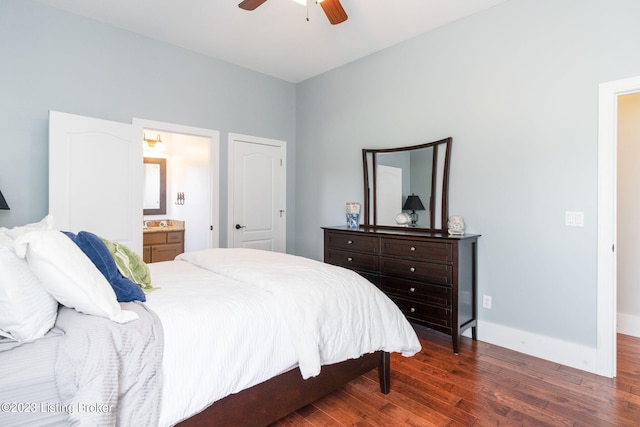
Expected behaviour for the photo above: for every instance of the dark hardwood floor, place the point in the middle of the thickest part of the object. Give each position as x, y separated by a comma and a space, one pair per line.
484, 385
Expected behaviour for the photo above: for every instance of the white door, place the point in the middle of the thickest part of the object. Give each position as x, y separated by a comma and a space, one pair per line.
95, 177
388, 194
257, 193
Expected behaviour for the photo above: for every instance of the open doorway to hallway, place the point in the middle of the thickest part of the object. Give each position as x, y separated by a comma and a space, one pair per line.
628, 206
609, 94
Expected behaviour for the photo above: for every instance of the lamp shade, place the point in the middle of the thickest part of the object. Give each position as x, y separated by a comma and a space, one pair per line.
413, 203
3, 202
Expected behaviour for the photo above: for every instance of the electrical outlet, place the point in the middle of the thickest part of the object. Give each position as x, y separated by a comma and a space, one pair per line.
486, 301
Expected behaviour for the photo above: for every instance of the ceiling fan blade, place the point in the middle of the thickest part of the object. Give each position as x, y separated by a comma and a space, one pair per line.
250, 4
334, 11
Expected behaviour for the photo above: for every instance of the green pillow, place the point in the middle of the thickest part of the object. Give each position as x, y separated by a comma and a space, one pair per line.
130, 265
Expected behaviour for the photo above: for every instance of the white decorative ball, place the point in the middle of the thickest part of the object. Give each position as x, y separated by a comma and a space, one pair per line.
403, 218
456, 225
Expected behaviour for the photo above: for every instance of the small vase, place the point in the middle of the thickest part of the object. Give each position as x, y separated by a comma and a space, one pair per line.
353, 215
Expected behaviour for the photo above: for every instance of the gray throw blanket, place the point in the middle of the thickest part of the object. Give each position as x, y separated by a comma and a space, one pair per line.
107, 373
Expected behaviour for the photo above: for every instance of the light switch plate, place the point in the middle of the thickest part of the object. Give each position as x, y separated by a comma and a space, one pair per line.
574, 219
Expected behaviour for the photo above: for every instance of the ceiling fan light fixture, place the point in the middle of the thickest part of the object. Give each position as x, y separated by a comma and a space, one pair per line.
332, 8
304, 2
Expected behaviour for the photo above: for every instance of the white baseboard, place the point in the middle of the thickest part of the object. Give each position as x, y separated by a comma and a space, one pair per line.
555, 350
628, 324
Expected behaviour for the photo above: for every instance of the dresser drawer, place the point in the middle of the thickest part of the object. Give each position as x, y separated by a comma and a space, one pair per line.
415, 310
433, 251
352, 242
430, 294
352, 260
439, 274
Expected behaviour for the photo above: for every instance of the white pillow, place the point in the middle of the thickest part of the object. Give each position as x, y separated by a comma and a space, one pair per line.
69, 275
45, 223
6, 241
27, 310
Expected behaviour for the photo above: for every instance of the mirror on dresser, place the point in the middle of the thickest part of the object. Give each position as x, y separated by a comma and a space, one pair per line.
393, 177
155, 186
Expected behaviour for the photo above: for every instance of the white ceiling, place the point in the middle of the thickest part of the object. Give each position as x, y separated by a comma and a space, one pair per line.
276, 38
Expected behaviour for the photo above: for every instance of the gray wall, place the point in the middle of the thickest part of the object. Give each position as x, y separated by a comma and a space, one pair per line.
516, 87
53, 60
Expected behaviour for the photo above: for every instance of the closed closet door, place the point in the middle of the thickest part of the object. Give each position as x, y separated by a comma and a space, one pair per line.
257, 193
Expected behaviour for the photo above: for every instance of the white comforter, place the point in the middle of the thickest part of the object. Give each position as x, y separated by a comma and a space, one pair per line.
233, 318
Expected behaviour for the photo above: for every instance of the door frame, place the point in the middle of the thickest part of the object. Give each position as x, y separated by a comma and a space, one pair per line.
607, 224
232, 140
214, 164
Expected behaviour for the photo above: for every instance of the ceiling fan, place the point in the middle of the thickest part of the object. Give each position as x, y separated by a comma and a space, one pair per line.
332, 8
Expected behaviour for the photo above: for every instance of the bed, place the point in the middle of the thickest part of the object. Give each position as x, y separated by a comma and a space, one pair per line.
226, 337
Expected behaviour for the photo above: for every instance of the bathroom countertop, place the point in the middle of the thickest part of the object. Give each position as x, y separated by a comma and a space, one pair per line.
153, 226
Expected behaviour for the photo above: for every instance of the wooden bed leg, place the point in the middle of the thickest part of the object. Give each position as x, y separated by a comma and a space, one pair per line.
384, 372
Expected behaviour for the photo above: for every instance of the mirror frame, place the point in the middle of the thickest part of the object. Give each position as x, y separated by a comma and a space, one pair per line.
162, 210
441, 144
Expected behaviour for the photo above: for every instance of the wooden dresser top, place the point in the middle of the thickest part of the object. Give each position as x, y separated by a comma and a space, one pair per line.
401, 232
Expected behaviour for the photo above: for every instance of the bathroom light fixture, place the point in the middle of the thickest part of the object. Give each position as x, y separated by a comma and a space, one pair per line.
3, 202
152, 142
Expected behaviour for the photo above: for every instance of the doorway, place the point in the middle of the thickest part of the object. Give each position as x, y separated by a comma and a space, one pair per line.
193, 185
628, 205
607, 225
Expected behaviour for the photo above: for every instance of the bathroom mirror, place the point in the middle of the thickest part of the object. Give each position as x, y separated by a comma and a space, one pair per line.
155, 186
391, 175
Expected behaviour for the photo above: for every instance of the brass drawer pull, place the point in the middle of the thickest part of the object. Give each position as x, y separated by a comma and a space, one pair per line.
412, 269
349, 259
412, 289
413, 310
413, 249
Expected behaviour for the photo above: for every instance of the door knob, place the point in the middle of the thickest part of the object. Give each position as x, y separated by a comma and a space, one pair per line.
238, 226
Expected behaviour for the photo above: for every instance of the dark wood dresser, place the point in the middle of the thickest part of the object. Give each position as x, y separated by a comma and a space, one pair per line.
430, 276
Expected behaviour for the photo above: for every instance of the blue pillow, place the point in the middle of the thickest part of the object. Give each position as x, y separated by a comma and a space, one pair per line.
99, 254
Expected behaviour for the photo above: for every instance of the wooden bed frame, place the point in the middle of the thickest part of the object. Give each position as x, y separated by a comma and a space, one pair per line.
271, 400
